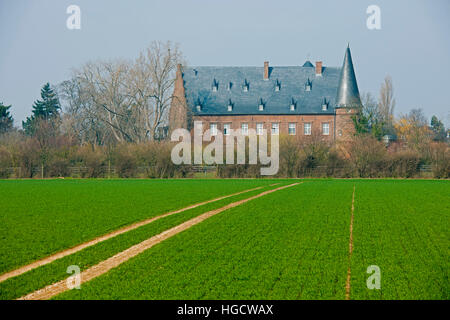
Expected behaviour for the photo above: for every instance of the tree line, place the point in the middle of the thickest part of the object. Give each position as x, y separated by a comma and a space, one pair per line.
109, 119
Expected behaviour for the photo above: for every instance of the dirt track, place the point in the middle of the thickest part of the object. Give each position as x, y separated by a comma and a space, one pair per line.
108, 264
90, 243
350, 249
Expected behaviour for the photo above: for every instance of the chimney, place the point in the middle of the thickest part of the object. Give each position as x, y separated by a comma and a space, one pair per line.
266, 70
318, 68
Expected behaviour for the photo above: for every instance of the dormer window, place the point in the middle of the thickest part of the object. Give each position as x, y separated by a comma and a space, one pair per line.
215, 85
195, 72
198, 105
230, 105
308, 85
277, 86
246, 86
293, 105
261, 105
324, 104
230, 85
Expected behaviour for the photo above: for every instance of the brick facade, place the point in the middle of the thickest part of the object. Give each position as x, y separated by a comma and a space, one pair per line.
236, 121
178, 114
345, 128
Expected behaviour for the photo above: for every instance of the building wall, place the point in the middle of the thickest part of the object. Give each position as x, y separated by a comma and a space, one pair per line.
267, 120
178, 107
345, 128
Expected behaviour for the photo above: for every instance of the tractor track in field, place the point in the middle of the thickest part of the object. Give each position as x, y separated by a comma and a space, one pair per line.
116, 260
350, 248
77, 248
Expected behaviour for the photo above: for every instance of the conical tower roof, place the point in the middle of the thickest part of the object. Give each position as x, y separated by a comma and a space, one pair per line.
348, 93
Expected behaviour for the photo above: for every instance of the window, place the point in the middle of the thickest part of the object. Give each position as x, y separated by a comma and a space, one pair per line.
230, 105
215, 85
291, 129
261, 105
307, 129
226, 128
325, 128
199, 108
275, 128
293, 105
259, 128
244, 128
246, 85
213, 129
308, 85
324, 104
277, 86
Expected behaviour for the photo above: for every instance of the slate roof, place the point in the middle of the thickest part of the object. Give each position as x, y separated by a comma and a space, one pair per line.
348, 93
199, 82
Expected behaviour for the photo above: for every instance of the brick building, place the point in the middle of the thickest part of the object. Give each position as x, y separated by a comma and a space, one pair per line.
297, 100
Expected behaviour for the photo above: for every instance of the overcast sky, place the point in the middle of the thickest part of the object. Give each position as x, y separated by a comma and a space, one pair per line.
413, 45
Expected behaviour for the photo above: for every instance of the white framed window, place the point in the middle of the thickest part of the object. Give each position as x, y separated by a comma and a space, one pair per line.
307, 128
259, 128
325, 128
275, 128
292, 128
244, 128
292, 107
226, 128
213, 129
199, 108
230, 107
261, 107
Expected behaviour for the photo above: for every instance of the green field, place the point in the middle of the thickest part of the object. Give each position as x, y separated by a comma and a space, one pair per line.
40, 217
289, 244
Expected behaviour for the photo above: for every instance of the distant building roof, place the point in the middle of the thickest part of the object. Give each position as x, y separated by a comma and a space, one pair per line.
348, 93
214, 88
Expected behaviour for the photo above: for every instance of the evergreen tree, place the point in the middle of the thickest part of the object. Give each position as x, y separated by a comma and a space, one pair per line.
438, 129
46, 109
6, 120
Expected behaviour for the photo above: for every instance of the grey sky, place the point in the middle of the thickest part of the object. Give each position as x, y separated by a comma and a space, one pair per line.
413, 45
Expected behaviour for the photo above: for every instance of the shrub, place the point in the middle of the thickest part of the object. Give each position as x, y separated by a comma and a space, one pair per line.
368, 156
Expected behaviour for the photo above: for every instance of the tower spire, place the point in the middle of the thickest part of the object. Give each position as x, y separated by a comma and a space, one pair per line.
348, 93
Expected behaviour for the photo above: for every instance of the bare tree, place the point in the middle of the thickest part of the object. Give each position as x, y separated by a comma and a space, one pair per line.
387, 103
123, 101
151, 86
